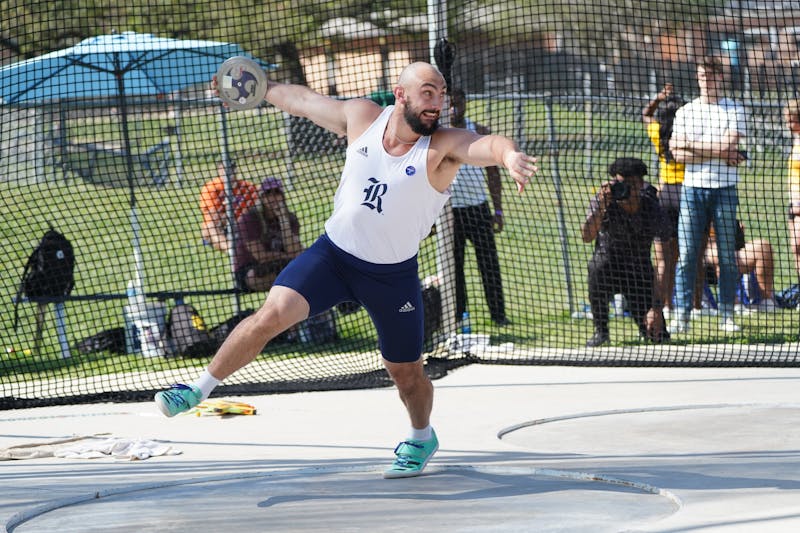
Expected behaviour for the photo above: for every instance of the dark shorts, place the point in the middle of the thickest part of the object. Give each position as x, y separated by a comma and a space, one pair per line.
326, 275
670, 199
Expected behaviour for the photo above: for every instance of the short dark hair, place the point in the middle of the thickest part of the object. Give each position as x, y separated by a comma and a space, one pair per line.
711, 63
628, 167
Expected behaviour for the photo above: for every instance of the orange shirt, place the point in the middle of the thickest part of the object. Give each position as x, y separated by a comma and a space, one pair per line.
212, 198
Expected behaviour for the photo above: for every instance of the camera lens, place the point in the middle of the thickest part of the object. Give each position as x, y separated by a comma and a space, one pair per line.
620, 190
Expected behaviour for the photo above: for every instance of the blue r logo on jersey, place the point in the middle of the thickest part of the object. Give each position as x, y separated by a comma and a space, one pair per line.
373, 193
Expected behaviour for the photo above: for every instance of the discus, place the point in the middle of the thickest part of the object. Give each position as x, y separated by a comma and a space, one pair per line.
241, 83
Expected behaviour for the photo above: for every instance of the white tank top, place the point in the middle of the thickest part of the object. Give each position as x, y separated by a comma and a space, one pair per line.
468, 188
384, 205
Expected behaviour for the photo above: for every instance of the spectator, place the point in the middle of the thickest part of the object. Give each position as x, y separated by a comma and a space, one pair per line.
269, 237
473, 220
751, 257
213, 206
659, 116
623, 219
791, 115
706, 136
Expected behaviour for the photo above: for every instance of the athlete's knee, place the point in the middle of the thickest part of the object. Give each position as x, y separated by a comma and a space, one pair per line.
279, 314
407, 376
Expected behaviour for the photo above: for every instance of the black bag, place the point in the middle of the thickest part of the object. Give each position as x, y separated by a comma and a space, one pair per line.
112, 340
49, 272
788, 298
318, 329
187, 333
432, 312
221, 331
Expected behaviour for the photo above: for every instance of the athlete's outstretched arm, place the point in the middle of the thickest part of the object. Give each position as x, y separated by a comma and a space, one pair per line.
300, 101
488, 150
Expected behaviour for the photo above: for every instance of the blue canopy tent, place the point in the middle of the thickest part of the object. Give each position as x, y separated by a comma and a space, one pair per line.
115, 67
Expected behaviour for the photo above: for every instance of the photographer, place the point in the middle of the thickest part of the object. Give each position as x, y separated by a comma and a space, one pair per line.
623, 219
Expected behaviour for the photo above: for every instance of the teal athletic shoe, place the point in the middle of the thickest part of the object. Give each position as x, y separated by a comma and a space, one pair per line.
412, 456
178, 399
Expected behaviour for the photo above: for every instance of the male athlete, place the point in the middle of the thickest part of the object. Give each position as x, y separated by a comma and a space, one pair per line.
398, 168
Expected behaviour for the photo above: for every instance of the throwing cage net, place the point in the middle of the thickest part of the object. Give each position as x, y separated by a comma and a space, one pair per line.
110, 132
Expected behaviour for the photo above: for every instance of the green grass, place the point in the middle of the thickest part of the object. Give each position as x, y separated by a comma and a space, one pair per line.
97, 221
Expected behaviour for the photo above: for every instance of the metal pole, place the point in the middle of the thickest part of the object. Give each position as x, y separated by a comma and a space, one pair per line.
562, 224
437, 24
138, 260
229, 201
587, 107
445, 265
177, 150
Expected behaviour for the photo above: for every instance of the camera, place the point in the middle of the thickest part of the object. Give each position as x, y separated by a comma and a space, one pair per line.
620, 190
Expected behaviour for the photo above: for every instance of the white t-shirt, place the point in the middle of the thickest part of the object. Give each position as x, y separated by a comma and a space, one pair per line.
701, 122
385, 204
468, 188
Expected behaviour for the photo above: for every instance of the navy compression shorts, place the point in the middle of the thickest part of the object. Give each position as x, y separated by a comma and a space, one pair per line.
326, 275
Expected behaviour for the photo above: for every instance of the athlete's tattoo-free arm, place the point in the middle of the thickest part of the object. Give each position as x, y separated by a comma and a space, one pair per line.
300, 101
329, 113
489, 150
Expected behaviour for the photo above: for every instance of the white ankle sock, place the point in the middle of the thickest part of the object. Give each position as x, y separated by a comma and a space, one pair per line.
206, 383
420, 434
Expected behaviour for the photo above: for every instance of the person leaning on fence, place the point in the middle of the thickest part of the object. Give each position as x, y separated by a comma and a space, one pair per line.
791, 116
624, 218
269, 237
399, 165
706, 136
213, 206
474, 220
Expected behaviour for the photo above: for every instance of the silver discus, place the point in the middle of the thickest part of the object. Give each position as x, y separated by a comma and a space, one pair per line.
241, 83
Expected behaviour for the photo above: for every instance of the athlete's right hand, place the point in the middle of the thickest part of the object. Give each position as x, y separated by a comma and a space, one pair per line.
214, 88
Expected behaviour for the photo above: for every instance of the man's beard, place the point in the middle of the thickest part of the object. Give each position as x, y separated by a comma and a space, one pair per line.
415, 123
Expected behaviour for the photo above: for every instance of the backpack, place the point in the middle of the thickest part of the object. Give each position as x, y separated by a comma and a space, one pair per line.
112, 340
49, 272
221, 331
187, 333
432, 312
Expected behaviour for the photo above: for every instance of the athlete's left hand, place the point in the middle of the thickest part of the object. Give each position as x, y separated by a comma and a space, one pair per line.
522, 167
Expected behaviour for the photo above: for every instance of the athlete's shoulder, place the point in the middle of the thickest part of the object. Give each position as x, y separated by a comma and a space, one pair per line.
445, 137
361, 113
362, 110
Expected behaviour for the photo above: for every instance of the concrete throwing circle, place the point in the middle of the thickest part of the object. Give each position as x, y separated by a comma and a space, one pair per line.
447, 498
671, 430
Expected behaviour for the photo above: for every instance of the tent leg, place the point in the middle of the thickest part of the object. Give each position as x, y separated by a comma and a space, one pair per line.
41, 313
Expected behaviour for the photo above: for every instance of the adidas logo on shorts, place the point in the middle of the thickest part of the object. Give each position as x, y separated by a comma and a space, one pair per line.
407, 308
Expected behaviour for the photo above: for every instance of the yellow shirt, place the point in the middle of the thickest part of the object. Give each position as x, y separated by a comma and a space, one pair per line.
794, 172
668, 172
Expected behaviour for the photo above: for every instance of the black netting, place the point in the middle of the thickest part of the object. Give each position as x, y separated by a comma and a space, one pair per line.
112, 150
